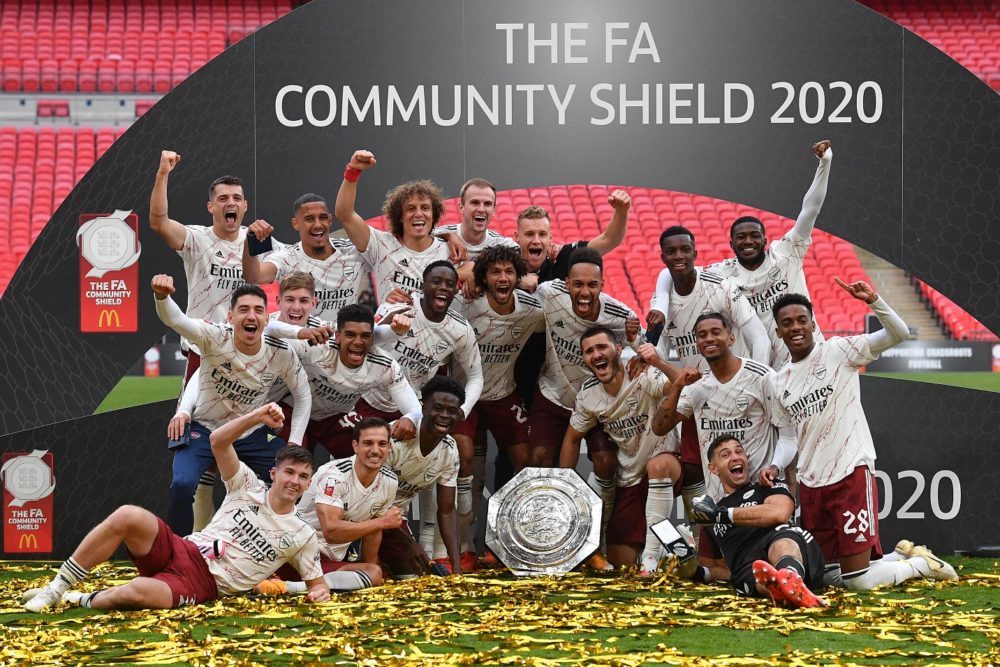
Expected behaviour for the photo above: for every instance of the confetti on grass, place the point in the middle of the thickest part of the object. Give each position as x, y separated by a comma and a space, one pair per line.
496, 618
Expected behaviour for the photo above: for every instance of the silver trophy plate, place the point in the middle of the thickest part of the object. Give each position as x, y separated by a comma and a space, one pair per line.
543, 521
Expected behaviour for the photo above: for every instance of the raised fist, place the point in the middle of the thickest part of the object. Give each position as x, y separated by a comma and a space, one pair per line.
168, 160
620, 200
163, 285
362, 160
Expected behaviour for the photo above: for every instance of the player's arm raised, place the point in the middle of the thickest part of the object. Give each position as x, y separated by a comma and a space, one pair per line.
355, 226
816, 195
667, 416
614, 233
222, 438
170, 313
169, 230
894, 329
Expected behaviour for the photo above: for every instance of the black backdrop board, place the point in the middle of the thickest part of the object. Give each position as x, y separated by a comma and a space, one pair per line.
916, 183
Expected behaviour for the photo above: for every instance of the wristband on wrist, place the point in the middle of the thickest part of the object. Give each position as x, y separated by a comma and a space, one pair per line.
351, 175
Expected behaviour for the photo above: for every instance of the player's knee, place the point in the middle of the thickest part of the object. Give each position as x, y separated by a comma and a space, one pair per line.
184, 482
605, 464
125, 517
374, 573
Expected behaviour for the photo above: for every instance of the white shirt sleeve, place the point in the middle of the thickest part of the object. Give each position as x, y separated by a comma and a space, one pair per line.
661, 297
815, 196
190, 328
403, 395
894, 329
468, 358
298, 385
189, 399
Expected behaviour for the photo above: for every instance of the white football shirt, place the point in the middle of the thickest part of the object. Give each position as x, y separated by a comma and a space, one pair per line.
740, 408
821, 396
780, 273
254, 541
625, 419
338, 277
492, 238
710, 294
395, 265
564, 372
336, 484
501, 338
213, 268
416, 472
425, 348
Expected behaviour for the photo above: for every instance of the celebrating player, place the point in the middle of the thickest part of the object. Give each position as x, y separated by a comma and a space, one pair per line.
399, 256
764, 273
758, 552
503, 319
239, 366
255, 531
730, 398
477, 205
692, 294
624, 408
429, 460
335, 264
348, 499
818, 392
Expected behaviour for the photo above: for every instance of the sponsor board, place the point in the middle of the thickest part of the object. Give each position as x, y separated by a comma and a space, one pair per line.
28, 483
109, 272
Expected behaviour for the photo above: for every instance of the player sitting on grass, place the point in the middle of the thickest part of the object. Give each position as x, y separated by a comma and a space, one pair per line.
761, 553
255, 531
348, 499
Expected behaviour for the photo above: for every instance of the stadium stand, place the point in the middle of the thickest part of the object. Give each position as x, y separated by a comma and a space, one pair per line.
70, 68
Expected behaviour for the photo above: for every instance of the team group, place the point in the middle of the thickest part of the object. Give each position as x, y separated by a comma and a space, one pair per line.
753, 413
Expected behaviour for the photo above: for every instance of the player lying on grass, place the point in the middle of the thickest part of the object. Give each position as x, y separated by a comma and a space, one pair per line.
349, 499
254, 532
760, 553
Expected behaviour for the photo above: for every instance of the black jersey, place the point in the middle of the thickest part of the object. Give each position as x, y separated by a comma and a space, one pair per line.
737, 542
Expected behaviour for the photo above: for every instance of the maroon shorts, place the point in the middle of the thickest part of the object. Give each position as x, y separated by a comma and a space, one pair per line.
179, 564
192, 364
506, 418
548, 422
336, 433
628, 518
843, 516
690, 447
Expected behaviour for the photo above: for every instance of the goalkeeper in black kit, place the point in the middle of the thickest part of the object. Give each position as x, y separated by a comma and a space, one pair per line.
758, 552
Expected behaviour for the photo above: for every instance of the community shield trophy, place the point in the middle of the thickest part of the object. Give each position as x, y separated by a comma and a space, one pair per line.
544, 521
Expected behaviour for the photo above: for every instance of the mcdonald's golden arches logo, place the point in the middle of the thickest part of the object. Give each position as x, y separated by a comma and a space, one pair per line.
27, 541
109, 318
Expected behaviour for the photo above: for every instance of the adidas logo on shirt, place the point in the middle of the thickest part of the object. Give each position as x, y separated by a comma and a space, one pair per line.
704, 406
404, 263
559, 324
226, 366
218, 253
671, 326
786, 394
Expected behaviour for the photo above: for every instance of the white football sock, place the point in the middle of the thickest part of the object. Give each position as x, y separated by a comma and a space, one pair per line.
879, 573
659, 502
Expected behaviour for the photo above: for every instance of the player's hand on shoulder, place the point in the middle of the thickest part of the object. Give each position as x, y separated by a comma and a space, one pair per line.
457, 252
647, 352
554, 249
820, 148
399, 295
620, 200
176, 425
860, 290
471, 291
362, 160
403, 429
261, 229
654, 318
163, 285
271, 415
400, 324
528, 282
315, 335
768, 475
168, 160
634, 366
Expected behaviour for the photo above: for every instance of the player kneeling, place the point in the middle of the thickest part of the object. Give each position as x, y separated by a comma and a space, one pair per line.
761, 554
349, 499
255, 530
